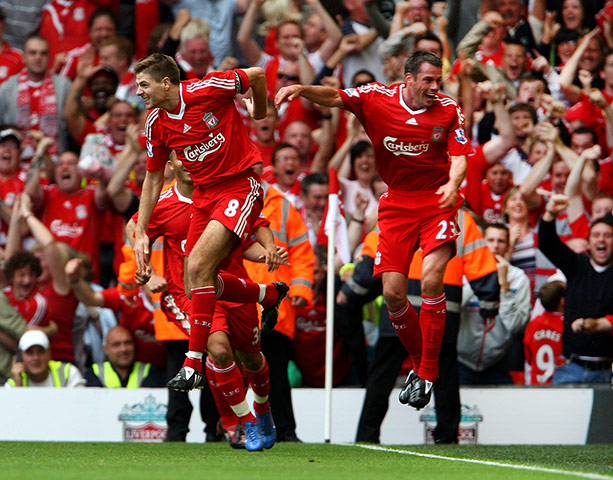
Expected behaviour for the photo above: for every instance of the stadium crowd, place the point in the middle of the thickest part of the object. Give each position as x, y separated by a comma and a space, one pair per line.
535, 84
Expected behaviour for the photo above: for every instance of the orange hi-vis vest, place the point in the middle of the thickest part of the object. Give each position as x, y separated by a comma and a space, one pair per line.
290, 232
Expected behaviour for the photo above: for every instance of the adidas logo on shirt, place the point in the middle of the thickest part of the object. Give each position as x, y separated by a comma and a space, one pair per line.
411, 121
186, 128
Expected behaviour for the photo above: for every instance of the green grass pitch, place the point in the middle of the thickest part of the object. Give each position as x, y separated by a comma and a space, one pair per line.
118, 461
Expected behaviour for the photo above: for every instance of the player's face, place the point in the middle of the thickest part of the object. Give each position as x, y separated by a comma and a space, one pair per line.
119, 348
559, 176
9, 156
600, 244
580, 142
422, 89
601, 206
152, 92
67, 173
497, 240
181, 174
498, 179
23, 283
36, 56
286, 166
35, 361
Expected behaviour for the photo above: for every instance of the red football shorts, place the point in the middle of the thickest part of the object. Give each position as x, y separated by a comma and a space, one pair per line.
236, 203
240, 322
409, 220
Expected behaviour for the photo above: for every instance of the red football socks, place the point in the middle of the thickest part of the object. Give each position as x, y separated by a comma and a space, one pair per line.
203, 306
243, 290
230, 381
406, 325
226, 414
432, 321
260, 384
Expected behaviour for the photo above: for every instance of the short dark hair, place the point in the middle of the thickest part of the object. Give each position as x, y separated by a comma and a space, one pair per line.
313, 179
358, 149
498, 226
102, 12
551, 294
362, 71
415, 60
429, 35
584, 129
606, 219
524, 107
159, 66
22, 259
281, 146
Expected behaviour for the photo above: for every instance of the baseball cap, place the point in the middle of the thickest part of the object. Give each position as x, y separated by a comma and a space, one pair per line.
10, 133
33, 337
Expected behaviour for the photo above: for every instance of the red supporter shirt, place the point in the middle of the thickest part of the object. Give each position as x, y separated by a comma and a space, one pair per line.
543, 347
33, 309
137, 316
205, 130
74, 219
411, 146
64, 25
61, 309
10, 62
605, 183
10, 187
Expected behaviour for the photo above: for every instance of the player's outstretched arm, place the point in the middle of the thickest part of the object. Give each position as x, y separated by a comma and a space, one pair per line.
325, 96
152, 187
259, 99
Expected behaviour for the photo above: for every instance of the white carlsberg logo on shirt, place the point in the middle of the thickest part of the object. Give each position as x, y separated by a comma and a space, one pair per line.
411, 121
186, 128
401, 148
199, 152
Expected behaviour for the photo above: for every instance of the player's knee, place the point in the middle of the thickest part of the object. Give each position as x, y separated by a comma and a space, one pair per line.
253, 361
220, 354
197, 270
432, 286
395, 298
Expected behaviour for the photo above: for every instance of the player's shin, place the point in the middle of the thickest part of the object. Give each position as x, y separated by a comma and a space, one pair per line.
406, 325
432, 320
260, 384
243, 290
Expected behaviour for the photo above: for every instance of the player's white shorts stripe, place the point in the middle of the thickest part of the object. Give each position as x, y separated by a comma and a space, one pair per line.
531, 468
247, 207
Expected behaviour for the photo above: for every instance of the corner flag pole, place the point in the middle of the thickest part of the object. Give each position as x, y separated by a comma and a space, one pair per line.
330, 228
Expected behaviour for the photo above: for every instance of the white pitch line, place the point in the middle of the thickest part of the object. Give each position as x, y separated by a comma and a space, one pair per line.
487, 462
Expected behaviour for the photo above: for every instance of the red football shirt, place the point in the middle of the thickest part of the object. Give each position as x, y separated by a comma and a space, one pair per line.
543, 347
412, 147
205, 130
74, 219
171, 218
33, 309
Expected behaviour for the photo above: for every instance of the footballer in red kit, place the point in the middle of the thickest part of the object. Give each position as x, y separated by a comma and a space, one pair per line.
198, 120
420, 149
